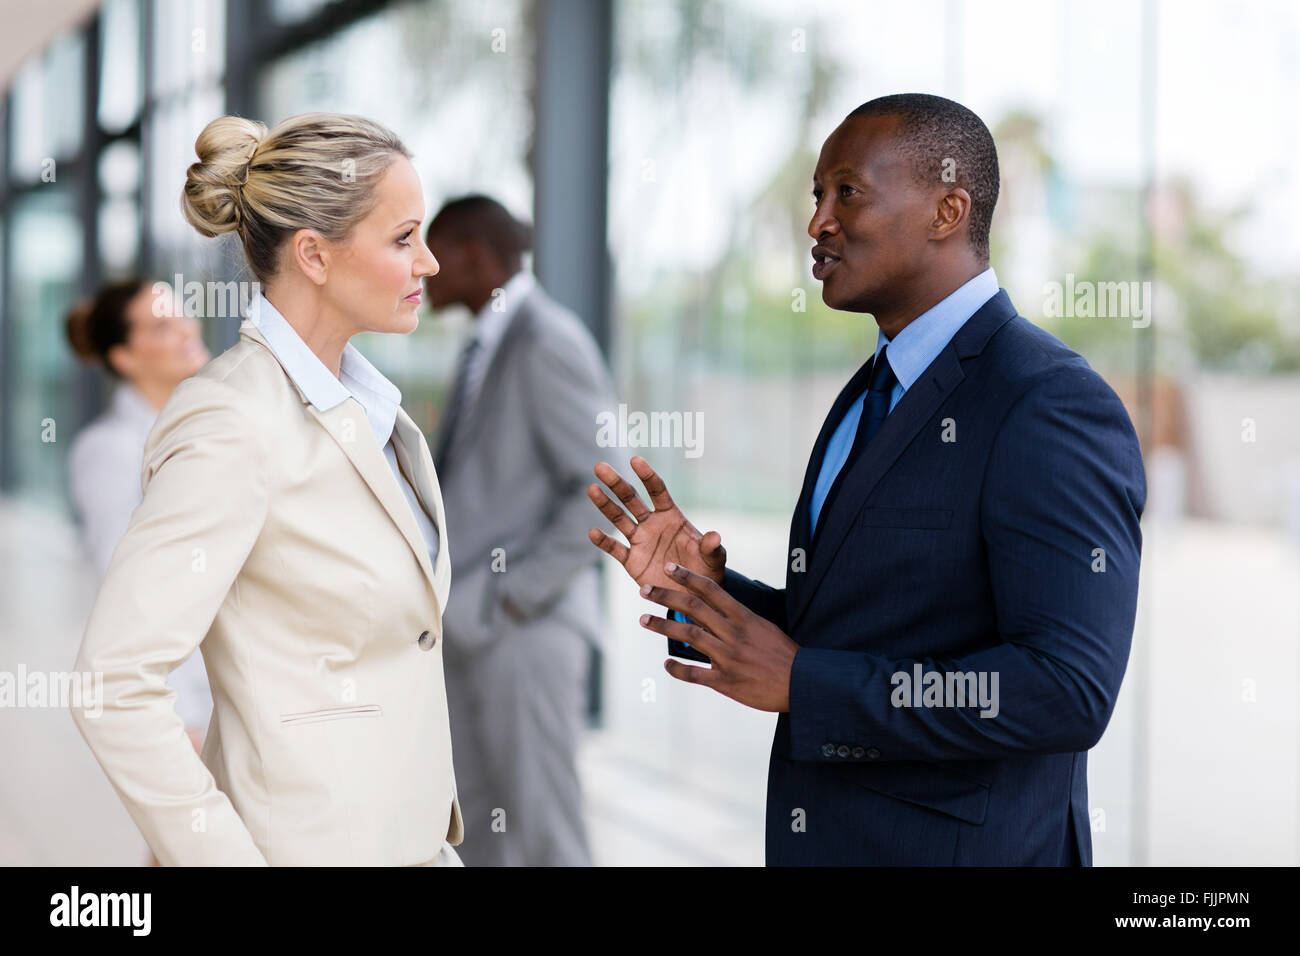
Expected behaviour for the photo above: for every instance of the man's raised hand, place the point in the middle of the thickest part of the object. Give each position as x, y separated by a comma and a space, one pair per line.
654, 538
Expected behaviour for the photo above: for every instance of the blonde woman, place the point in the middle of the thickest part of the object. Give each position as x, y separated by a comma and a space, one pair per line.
291, 527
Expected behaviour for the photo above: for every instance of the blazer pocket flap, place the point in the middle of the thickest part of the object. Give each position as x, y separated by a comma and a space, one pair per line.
905, 518
331, 713
930, 786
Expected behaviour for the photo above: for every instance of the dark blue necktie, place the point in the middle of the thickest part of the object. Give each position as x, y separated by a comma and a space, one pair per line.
876, 405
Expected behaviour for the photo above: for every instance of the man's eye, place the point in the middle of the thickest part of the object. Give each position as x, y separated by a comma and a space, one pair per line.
846, 190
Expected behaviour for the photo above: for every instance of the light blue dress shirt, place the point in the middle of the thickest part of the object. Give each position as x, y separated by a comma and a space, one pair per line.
357, 379
910, 354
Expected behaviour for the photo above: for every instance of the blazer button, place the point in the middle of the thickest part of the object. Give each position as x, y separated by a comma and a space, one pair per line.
843, 750
858, 753
873, 753
426, 641
828, 750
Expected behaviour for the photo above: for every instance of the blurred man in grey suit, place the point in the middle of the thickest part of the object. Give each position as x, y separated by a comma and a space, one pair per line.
514, 452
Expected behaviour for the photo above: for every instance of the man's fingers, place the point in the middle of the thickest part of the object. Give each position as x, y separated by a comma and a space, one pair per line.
692, 605
691, 634
617, 516
626, 493
607, 544
654, 485
709, 591
691, 674
711, 549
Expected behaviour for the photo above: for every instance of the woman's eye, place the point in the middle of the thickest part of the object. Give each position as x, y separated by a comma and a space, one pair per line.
405, 236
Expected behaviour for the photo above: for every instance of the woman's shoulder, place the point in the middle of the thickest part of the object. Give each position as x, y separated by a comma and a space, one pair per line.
240, 395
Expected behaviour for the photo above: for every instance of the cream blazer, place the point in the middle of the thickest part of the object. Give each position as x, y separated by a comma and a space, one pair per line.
274, 537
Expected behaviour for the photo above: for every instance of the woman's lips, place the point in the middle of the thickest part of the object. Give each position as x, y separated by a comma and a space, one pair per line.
413, 298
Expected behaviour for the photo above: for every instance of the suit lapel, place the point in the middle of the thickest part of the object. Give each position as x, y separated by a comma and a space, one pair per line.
412, 453
349, 428
348, 425
800, 525
470, 413
913, 411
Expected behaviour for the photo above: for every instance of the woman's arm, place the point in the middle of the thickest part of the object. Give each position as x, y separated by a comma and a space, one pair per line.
205, 502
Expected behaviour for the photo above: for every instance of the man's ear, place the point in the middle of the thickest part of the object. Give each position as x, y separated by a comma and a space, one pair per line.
310, 254
951, 214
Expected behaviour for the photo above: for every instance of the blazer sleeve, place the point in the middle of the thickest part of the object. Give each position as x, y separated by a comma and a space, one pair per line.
205, 502
569, 387
763, 599
1060, 506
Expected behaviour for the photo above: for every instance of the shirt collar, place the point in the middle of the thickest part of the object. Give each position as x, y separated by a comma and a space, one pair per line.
489, 324
912, 350
358, 379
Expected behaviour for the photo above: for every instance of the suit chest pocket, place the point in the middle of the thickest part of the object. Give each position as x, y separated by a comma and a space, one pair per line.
936, 519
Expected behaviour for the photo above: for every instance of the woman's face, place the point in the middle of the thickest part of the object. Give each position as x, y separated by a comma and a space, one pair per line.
163, 346
375, 276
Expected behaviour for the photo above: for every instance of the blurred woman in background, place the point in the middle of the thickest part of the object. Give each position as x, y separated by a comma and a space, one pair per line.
137, 333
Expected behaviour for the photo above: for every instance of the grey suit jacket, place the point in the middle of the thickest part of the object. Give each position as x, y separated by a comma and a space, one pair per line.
514, 482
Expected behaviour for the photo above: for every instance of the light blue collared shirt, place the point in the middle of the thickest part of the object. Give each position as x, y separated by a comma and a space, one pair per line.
357, 379
910, 354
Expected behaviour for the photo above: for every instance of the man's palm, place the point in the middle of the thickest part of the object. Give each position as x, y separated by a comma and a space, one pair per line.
654, 537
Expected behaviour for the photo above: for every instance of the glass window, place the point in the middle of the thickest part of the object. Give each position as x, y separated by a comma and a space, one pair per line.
452, 80
121, 87
46, 266
47, 97
189, 44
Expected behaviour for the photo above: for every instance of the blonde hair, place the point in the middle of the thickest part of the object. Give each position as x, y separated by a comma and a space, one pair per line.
312, 171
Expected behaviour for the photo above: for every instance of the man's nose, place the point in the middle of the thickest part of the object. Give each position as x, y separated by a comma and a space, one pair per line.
822, 222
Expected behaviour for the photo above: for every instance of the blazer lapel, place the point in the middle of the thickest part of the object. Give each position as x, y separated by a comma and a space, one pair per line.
913, 411
469, 413
800, 524
413, 456
348, 426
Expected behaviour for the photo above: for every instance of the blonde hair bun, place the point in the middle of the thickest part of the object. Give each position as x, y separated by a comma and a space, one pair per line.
212, 200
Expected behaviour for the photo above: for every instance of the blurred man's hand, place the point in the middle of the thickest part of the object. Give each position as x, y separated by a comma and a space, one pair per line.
654, 538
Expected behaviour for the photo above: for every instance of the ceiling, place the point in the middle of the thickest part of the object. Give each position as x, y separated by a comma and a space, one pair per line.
29, 26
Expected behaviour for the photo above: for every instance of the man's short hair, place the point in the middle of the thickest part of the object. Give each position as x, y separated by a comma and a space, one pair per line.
483, 218
946, 142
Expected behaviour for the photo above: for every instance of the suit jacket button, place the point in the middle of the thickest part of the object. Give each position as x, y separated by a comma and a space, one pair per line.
828, 750
843, 750
873, 753
858, 753
426, 641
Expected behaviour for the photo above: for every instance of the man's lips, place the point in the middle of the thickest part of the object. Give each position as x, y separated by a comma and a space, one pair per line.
823, 262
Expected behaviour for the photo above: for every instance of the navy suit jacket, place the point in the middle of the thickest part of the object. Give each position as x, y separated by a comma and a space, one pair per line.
992, 525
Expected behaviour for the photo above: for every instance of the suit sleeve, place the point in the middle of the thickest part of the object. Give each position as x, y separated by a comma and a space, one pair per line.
205, 502
569, 386
1060, 507
764, 600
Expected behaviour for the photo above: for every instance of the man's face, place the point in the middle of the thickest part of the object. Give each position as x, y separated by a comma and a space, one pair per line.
450, 285
872, 219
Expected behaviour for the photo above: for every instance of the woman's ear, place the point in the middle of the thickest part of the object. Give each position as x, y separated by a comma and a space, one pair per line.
120, 360
309, 252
